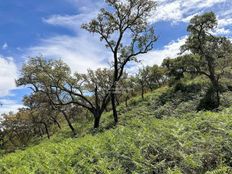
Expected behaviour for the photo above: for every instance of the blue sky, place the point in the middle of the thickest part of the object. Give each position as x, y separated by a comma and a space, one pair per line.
52, 28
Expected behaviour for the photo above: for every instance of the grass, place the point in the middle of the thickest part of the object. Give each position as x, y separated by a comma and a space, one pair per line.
182, 142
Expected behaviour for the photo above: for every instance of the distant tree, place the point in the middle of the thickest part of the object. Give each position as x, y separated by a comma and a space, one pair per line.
17, 129
2, 133
212, 55
127, 86
177, 67
156, 76
42, 112
125, 30
40, 101
142, 79
149, 78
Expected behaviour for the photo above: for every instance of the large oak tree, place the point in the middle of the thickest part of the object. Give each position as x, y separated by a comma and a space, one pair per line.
124, 28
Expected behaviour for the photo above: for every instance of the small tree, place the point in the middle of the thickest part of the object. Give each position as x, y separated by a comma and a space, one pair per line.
125, 30
142, 79
39, 103
17, 129
127, 88
156, 76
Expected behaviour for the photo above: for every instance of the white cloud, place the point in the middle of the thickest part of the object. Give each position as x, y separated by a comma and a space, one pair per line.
79, 52
87, 10
157, 56
72, 22
188, 18
167, 11
171, 50
4, 46
182, 10
86, 6
224, 22
8, 74
221, 31
9, 106
176, 11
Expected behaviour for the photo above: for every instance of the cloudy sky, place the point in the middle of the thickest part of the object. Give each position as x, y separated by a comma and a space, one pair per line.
52, 28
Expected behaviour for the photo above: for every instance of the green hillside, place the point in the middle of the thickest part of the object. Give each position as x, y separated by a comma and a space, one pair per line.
182, 141
117, 87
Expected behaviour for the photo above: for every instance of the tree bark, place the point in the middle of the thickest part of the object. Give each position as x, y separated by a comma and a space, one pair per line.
214, 81
142, 92
97, 118
40, 133
57, 122
117, 101
126, 101
69, 123
46, 129
115, 114
216, 90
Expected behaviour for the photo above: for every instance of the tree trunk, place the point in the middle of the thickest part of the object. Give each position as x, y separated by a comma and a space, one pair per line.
97, 117
69, 123
214, 81
115, 114
142, 92
46, 130
56, 122
12, 141
158, 82
126, 101
107, 109
40, 133
117, 101
216, 90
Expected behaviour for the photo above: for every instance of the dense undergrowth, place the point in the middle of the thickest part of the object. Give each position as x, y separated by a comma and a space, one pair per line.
161, 134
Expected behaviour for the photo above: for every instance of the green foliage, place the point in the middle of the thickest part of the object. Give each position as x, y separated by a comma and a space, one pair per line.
141, 143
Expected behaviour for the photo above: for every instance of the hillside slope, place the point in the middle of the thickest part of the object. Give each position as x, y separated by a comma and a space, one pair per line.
180, 142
